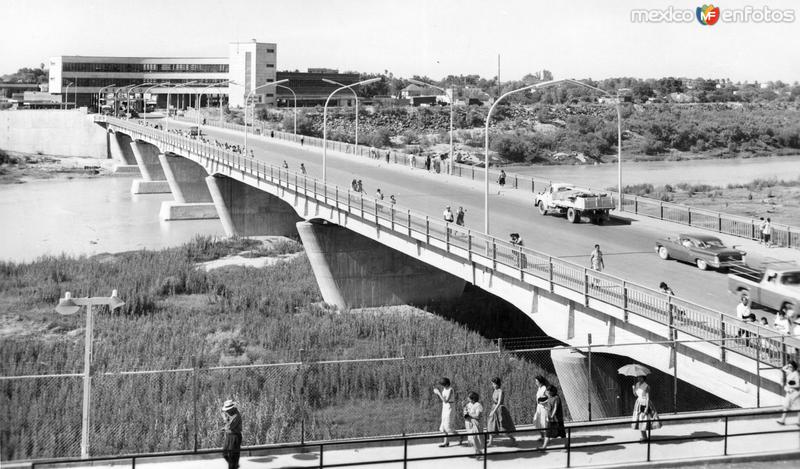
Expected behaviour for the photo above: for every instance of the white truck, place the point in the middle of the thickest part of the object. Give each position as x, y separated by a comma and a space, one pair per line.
575, 202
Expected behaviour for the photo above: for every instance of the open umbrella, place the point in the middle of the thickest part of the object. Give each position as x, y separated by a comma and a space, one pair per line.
634, 370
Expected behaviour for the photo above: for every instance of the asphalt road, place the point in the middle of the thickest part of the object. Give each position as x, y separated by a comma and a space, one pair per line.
627, 241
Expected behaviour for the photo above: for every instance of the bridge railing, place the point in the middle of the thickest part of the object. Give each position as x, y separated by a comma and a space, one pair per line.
734, 225
678, 314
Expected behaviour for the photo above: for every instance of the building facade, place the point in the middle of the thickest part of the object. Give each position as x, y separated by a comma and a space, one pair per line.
311, 90
249, 66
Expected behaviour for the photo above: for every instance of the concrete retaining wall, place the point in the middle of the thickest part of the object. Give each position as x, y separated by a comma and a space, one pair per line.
52, 132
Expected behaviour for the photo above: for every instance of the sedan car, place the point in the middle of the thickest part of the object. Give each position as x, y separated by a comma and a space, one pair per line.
702, 250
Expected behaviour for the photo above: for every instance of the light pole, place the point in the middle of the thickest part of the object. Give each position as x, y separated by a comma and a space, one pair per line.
202, 92
295, 106
67, 306
169, 91
542, 85
128, 95
452, 107
247, 102
325, 123
100, 93
118, 92
354, 94
144, 100
66, 95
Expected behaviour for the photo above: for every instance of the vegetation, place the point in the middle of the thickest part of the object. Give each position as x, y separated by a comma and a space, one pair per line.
177, 316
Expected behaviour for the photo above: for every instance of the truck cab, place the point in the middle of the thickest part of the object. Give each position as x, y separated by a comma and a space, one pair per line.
775, 287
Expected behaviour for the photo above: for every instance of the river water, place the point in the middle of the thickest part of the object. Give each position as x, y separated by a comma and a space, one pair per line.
714, 172
87, 216
95, 215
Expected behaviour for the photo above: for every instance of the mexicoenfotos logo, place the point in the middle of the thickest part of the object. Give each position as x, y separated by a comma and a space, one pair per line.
708, 15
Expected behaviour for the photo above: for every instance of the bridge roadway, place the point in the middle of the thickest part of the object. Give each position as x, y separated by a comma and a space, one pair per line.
627, 241
680, 443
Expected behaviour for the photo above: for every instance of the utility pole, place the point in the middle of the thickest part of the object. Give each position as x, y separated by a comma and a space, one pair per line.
498, 69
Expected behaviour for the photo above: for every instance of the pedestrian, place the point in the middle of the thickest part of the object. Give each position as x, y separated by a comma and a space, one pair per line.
379, 194
792, 399
354, 185
745, 314
540, 417
499, 417
388, 154
233, 433
360, 186
645, 417
501, 179
473, 421
413, 161
460, 216
596, 259
392, 199
665, 289
781, 323
555, 416
448, 215
271, 134
302, 141
448, 397
303, 168
285, 164
428, 163
761, 225
767, 231
252, 155
520, 259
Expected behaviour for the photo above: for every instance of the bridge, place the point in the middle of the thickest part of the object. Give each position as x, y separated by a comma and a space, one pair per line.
367, 252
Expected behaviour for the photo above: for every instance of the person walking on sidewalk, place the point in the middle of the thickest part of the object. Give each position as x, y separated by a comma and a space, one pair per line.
303, 168
767, 233
460, 216
596, 259
792, 399
233, 434
448, 215
448, 397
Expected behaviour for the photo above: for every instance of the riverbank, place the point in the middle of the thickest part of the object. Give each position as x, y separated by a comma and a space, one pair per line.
18, 168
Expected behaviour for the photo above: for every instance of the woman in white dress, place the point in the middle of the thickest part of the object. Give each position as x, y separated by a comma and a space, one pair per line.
473, 421
448, 397
645, 417
540, 419
792, 388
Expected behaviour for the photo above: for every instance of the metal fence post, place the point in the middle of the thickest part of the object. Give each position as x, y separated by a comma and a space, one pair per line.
722, 337
589, 376
758, 368
194, 400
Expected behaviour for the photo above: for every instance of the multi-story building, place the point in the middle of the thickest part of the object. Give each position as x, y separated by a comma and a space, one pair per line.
311, 90
248, 67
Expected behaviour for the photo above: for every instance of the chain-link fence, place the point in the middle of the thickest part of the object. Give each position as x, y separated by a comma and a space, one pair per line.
313, 400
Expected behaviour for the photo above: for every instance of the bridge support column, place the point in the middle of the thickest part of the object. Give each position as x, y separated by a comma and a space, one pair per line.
354, 271
247, 211
605, 391
153, 180
120, 152
186, 182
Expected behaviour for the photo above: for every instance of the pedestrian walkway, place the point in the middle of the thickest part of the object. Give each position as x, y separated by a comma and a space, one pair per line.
689, 439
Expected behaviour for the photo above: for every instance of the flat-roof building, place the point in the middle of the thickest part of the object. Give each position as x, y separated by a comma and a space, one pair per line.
312, 91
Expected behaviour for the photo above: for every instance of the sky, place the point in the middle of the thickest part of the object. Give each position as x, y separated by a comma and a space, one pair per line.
435, 38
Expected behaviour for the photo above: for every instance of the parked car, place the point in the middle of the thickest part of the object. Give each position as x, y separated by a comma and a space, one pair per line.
702, 250
194, 131
776, 287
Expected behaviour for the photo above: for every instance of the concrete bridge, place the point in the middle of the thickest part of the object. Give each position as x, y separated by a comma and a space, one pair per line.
367, 252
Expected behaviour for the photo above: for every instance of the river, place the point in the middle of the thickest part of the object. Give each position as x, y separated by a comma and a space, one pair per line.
87, 216
716, 172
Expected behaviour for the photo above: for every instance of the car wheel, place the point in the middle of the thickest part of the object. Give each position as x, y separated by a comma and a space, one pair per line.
701, 264
663, 253
542, 209
573, 215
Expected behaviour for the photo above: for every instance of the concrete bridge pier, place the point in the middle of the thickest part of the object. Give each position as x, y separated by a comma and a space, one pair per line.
247, 211
153, 179
354, 271
120, 151
606, 390
186, 182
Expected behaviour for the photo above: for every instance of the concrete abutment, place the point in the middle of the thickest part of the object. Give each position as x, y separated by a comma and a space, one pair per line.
186, 181
153, 179
354, 271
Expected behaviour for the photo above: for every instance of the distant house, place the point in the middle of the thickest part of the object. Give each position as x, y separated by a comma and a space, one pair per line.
469, 95
413, 91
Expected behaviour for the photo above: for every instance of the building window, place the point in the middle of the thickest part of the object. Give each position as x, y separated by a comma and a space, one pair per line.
270, 65
270, 51
270, 95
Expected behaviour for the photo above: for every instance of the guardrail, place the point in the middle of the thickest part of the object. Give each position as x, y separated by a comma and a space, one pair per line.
524, 264
749, 228
572, 445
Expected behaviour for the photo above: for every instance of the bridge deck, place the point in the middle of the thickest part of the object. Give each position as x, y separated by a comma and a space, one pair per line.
690, 441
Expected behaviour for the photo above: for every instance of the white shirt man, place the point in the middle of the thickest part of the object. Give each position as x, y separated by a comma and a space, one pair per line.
743, 310
448, 215
781, 324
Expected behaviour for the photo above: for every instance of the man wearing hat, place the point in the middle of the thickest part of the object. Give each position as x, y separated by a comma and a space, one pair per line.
233, 434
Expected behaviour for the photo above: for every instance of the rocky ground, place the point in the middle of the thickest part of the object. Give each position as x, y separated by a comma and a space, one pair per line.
18, 168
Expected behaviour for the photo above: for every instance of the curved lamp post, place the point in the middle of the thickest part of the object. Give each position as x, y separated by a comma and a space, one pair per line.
203, 92
295, 106
325, 123
179, 85
128, 95
118, 93
247, 105
354, 94
100, 93
452, 107
145, 91
67, 306
529, 87
66, 95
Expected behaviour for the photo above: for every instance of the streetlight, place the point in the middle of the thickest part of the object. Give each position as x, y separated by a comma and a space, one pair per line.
144, 100
295, 106
452, 107
67, 306
66, 95
128, 95
118, 92
354, 94
325, 123
179, 85
247, 101
99, 94
525, 88
202, 92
